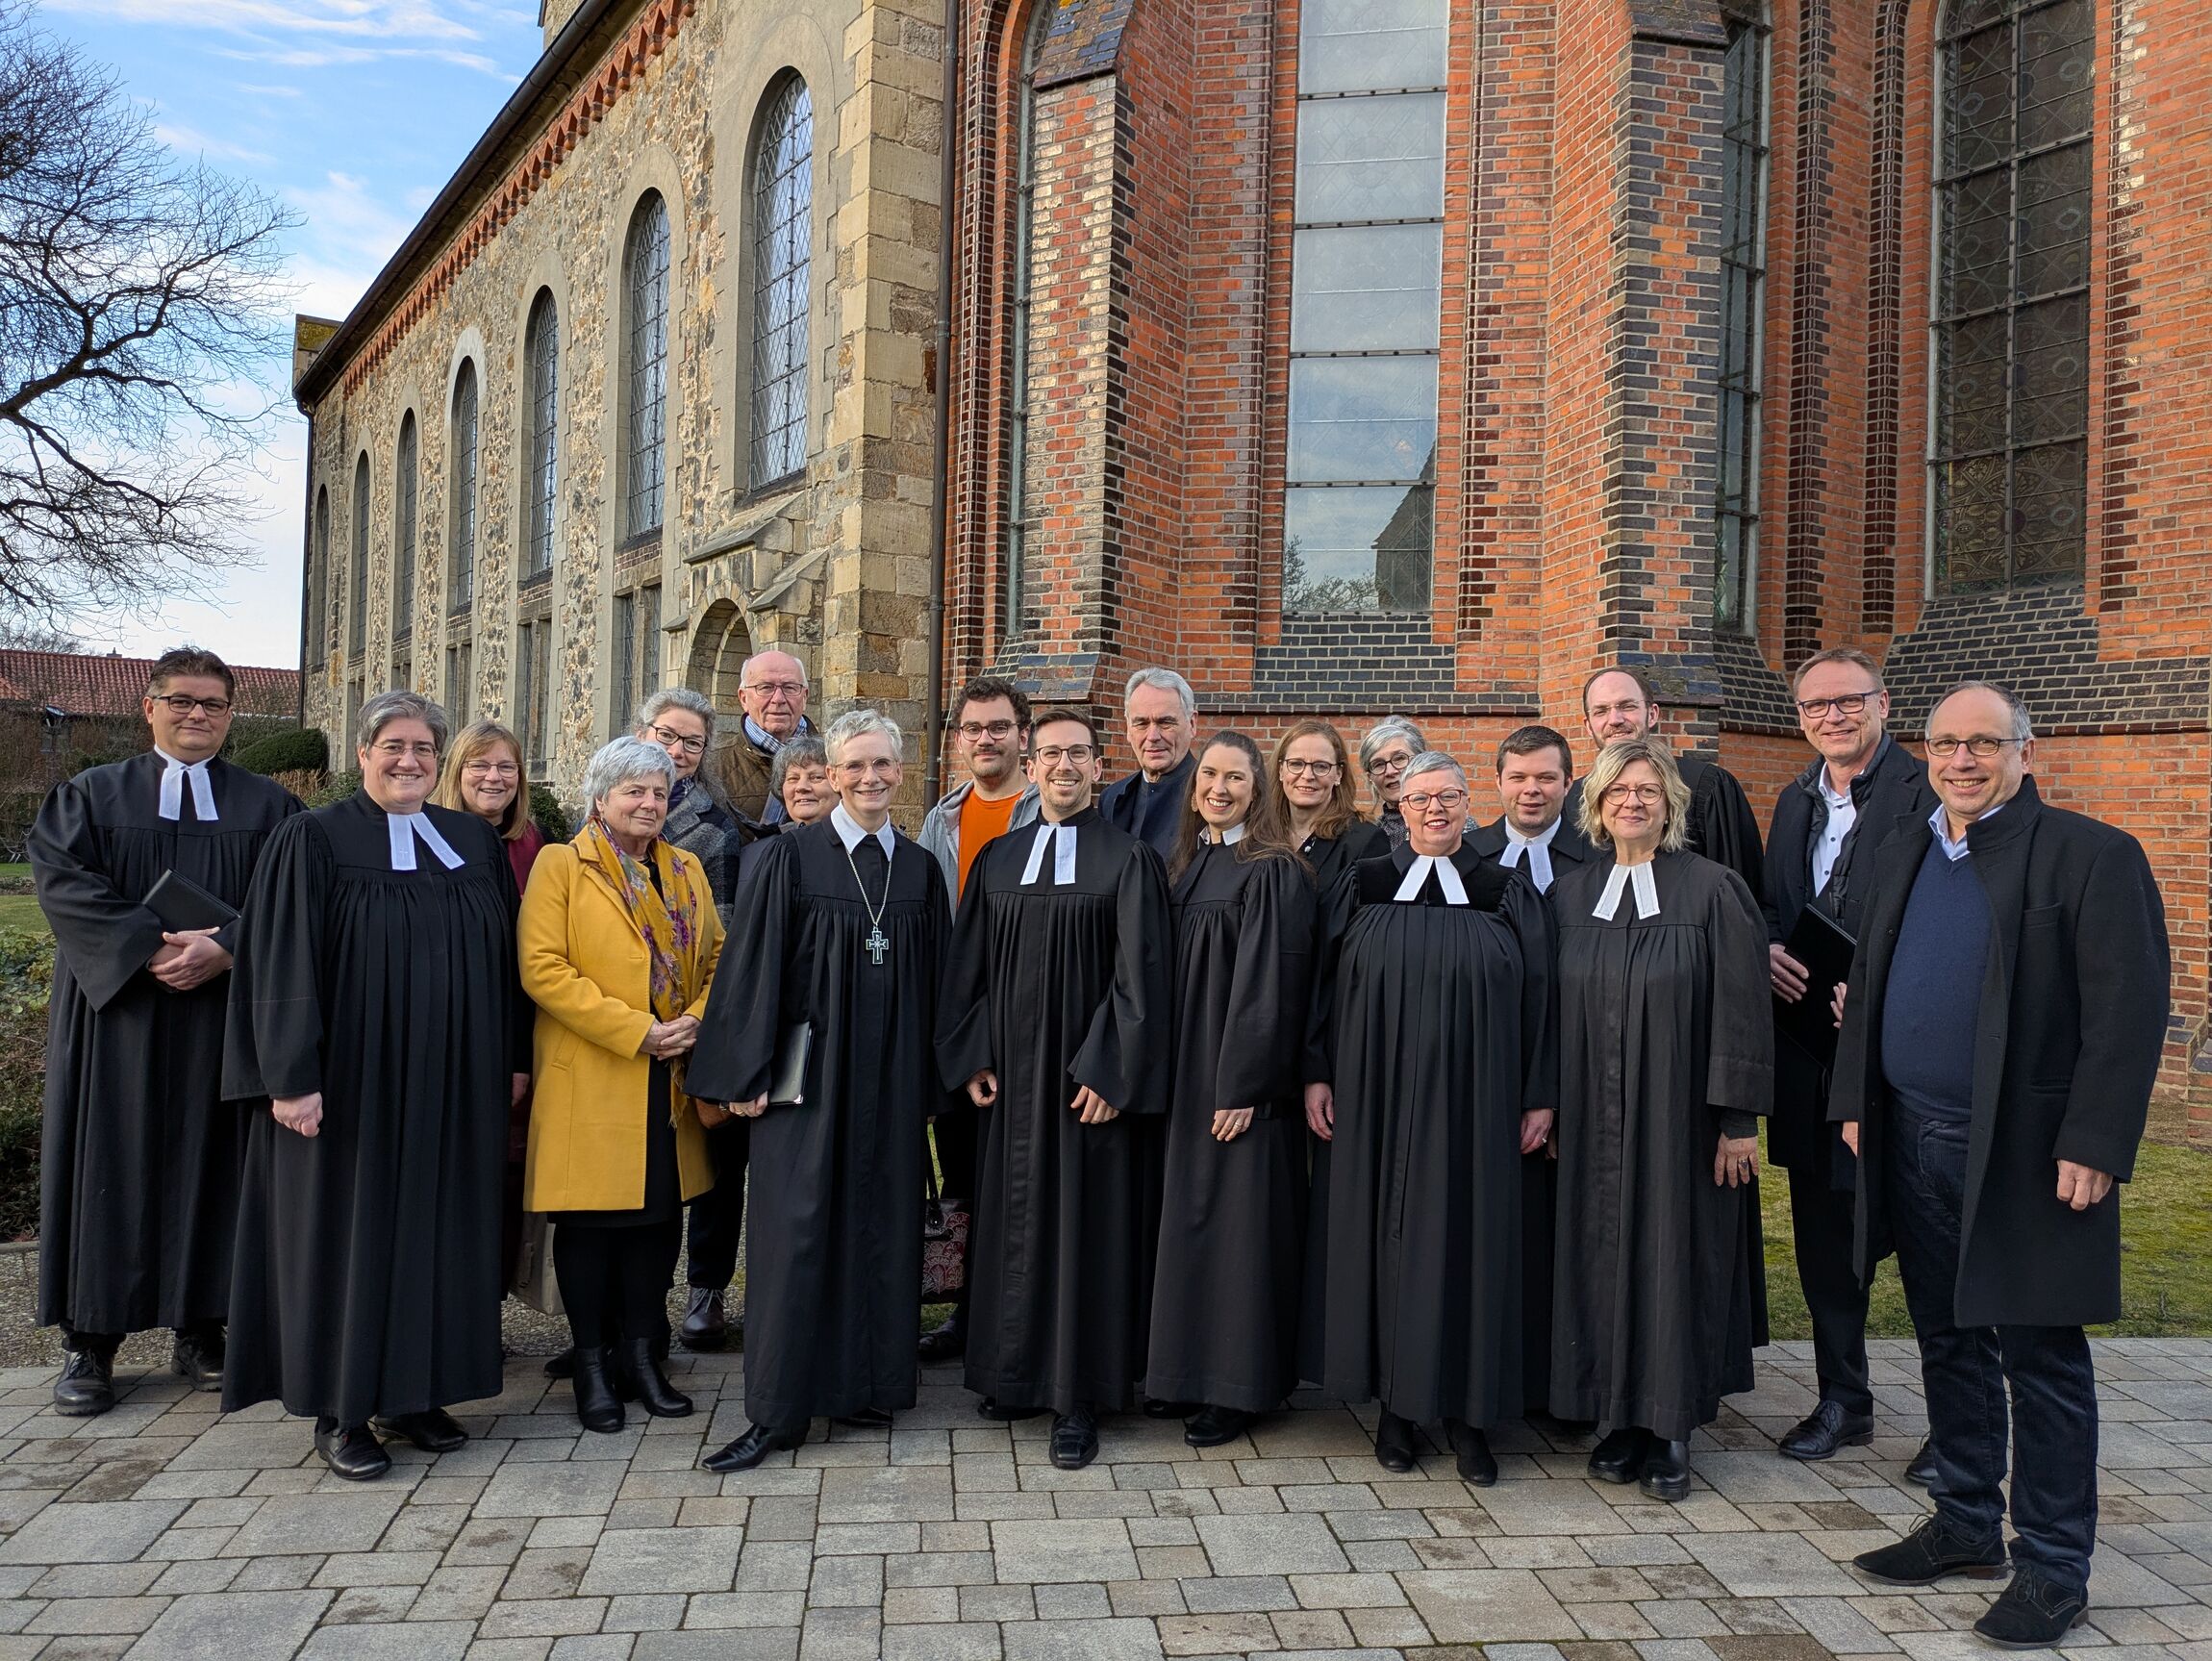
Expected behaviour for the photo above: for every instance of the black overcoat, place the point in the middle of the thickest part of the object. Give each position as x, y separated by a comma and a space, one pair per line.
2073, 1021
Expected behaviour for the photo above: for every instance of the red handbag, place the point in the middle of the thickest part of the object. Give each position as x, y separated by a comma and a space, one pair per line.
944, 1225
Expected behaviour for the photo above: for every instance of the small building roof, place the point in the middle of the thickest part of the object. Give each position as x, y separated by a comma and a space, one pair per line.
78, 684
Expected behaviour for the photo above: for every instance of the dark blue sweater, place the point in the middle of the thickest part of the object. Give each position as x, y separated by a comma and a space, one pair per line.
1932, 1004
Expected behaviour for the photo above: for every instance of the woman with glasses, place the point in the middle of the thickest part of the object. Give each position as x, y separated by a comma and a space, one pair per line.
1232, 1227
1666, 1044
484, 776
1442, 1062
1388, 748
375, 1000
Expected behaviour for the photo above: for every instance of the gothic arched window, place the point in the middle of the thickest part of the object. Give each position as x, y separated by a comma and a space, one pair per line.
403, 483
357, 626
460, 537
783, 247
542, 353
646, 297
319, 583
1021, 590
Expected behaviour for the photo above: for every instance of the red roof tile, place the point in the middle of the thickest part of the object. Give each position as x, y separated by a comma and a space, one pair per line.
81, 685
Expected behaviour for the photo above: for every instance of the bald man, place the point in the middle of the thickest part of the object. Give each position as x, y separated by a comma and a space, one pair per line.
772, 694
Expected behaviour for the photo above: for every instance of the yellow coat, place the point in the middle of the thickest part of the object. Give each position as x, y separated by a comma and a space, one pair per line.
587, 969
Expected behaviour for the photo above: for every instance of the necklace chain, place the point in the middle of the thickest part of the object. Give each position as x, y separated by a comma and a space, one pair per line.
876, 942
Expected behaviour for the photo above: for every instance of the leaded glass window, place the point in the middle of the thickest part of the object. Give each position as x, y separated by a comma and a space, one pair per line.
1367, 257
541, 351
403, 501
645, 292
649, 639
461, 537
1020, 588
1743, 313
2011, 349
318, 584
783, 247
357, 625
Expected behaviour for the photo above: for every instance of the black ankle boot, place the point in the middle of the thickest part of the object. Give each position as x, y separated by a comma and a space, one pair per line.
647, 1385
596, 1403
87, 1385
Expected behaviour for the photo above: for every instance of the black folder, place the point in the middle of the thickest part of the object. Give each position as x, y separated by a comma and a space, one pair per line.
1821, 945
182, 904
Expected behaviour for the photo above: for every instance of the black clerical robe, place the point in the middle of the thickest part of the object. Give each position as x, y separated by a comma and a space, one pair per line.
1151, 810
368, 1277
1232, 1215
139, 1158
1052, 985
833, 1241
1720, 823
1666, 1040
1442, 1040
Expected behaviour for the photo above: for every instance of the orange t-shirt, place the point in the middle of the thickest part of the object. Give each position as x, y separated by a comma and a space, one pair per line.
979, 821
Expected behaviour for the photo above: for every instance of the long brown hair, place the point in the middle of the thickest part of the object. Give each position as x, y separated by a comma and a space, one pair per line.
475, 739
1342, 810
1266, 826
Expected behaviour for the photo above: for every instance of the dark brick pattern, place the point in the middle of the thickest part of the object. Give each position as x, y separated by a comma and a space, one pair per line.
1085, 40
1754, 698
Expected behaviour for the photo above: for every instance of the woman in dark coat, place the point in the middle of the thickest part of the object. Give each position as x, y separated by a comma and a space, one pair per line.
1666, 1044
1232, 1228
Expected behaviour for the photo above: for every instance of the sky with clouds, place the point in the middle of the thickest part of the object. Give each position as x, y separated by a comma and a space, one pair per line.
353, 113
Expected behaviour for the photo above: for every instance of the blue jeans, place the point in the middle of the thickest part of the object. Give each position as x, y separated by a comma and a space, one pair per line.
1966, 1371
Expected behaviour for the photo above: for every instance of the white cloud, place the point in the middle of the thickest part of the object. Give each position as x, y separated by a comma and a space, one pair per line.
190, 141
318, 33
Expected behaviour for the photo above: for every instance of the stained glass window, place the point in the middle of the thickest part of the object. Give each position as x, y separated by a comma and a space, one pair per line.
1020, 588
1742, 309
1367, 253
403, 502
783, 247
2011, 348
646, 287
541, 351
357, 625
461, 538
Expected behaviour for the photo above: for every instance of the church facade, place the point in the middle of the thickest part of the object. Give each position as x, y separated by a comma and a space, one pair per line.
1347, 355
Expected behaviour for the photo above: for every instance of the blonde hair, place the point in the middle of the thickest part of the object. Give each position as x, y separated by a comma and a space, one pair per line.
1605, 772
475, 739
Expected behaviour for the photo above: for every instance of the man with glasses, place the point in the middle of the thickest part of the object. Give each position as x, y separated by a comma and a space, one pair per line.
1827, 822
772, 692
2005, 1020
1052, 1019
1161, 712
139, 1156
990, 735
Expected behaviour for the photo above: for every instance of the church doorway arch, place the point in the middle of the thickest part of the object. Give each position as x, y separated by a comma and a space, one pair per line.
719, 646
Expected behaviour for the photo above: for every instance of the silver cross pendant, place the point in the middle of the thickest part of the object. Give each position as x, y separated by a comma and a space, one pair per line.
877, 944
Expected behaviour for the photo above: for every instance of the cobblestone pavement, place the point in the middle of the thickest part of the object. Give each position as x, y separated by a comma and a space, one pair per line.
164, 1532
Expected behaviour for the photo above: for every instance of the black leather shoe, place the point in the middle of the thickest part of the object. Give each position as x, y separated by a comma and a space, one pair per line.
1666, 1474
705, 1327
431, 1431
1620, 1457
1826, 1428
2032, 1613
947, 1343
1172, 1409
1212, 1426
87, 1385
1932, 1550
351, 1451
1477, 1463
197, 1356
645, 1384
867, 1419
597, 1405
562, 1365
1074, 1439
750, 1449
1921, 1469
1393, 1442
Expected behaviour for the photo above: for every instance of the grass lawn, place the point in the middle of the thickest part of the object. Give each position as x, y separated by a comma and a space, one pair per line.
19, 909
2165, 1266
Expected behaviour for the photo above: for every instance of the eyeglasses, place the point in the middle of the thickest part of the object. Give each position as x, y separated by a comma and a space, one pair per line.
1849, 704
1315, 769
785, 689
1387, 764
979, 729
1642, 795
874, 768
1079, 754
1984, 747
392, 749
180, 705
1451, 802
671, 740
490, 769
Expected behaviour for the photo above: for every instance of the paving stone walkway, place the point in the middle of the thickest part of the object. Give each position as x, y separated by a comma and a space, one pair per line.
162, 1531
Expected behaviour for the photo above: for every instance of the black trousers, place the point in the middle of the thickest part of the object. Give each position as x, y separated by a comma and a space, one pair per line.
1821, 1229
614, 1279
957, 1133
718, 1214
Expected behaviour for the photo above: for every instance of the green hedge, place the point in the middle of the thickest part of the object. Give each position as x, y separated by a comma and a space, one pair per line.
26, 983
303, 749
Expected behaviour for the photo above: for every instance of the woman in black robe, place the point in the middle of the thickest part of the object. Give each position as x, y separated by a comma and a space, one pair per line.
376, 1000
845, 925
1444, 1071
1666, 1062
1232, 1224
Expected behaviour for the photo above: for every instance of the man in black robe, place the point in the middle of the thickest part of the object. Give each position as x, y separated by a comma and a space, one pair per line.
1444, 1071
377, 1002
140, 1157
1161, 715
1054, 1018
1619, 703
1533, 835
846, 923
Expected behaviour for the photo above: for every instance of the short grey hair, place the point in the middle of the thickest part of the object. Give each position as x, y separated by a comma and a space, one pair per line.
746, 670
1385, 731
676, 698
857, 723
1166, 681
803, 750
1431, 762
2022, 729
381, 710
620, 760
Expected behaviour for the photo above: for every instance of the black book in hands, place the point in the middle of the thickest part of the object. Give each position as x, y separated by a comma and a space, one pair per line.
183, 905
1821, 945
788, 1076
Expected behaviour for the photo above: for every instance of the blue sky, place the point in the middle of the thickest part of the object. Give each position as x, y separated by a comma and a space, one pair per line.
354, 113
